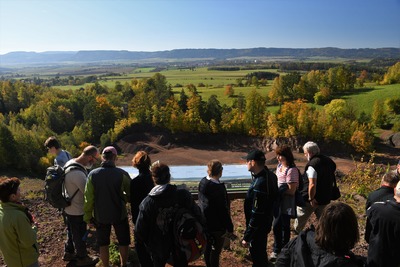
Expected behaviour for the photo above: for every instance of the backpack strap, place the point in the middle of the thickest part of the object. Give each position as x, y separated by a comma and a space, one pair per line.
70, 167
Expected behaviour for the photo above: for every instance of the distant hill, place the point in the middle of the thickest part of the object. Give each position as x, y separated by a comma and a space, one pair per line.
95, 56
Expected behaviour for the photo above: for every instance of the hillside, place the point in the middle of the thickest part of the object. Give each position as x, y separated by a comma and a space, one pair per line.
101, 56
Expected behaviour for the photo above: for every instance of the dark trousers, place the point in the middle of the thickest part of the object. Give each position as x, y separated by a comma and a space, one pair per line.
281, 229
69, 244
77, 228
258, 246
214, 248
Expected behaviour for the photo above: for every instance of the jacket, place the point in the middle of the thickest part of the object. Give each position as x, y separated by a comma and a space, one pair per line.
18, 236
381, 194
155, 214
106, 194
302, 251
325, 168
215, 205
259, 202
140, 187
382, 232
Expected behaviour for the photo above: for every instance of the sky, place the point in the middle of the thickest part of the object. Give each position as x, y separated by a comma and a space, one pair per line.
160, 25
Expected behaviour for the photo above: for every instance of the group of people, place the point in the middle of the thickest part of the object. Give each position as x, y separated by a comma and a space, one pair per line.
272, 201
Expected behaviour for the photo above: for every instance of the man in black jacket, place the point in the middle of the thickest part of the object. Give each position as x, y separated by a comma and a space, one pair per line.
258, 206
385, 192
318, 179
382, 232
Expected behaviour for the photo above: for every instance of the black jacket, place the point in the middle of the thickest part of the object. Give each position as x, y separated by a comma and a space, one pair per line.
140, 187
215, 205
302, 251
381, 194
155, 214
259, 202
383, 234
325, 168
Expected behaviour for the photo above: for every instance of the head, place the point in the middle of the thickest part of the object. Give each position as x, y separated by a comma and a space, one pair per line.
214, 168
310, 149
397, 192
9, 190
337, 230
52, 144
109, 154
141, 161
255, 160
390, 179
160, 173
89, 156
284, 155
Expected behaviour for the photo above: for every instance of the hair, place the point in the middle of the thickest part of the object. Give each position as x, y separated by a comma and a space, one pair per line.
141, 160
391, 178
337, 230
160, 173
286, 152
311, 147
214, 168
8, 186
90, 151
52, 142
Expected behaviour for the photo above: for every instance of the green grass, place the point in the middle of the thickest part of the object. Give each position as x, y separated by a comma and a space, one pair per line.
364, 98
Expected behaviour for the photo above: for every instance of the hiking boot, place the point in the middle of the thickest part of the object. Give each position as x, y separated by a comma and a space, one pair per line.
273, 256
68, 256
87, 261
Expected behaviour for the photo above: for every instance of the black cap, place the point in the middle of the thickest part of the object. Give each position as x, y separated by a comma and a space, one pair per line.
256, 155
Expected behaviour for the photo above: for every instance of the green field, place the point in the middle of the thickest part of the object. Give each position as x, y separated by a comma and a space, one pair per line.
214, 81
364, 98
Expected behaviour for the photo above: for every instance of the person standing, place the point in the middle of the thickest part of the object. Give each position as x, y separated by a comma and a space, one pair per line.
288, 177
75, 182
318, 179
382, 232
54, 148
17, 229
385, 191
106, 194
258, 207
215, 205
156, 213
140, 188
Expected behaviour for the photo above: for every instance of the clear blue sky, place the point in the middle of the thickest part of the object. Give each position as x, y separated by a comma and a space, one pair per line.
155, 25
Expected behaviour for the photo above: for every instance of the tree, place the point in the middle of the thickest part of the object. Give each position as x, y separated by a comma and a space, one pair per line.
229, 90
392, 75
255, 113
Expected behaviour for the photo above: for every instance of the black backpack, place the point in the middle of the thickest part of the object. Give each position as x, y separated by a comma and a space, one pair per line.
55, 192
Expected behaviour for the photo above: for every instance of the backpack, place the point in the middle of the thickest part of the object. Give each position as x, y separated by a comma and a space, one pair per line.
189, 236
55, 192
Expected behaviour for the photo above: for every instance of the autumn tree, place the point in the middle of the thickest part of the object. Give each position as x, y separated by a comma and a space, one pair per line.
392, 75
255, 113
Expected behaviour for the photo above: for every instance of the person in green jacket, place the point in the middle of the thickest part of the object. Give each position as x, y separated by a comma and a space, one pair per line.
17, 229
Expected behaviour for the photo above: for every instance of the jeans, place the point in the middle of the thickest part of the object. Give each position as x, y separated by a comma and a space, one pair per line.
214, 248
78, 229
303, 213
281, 229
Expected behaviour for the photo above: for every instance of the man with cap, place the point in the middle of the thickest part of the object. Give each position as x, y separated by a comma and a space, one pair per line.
258, 206
106, 194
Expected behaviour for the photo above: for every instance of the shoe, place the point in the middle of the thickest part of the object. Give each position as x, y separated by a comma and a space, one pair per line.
87, 261
273, 256
68, 256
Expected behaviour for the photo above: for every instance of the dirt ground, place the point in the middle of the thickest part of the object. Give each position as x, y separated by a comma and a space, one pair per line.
52, 231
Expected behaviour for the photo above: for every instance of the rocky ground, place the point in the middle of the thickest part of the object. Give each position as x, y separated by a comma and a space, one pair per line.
52, 232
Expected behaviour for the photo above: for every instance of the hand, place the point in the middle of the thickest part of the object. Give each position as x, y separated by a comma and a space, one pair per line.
245, 244
313, 203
